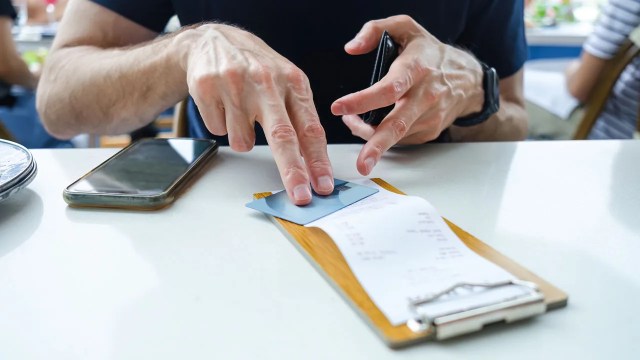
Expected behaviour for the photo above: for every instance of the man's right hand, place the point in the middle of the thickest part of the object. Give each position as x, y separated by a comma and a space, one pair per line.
236, 79
103, 66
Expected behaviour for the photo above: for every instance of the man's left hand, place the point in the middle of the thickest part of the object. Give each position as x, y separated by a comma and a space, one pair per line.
430, 83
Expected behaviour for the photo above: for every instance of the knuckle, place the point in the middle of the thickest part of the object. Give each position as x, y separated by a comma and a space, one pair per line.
296, 77
399, 127
205, 85
377, 150
431, 97
318, 164
261, 74
313, 130
371, 25
283, 133
294, 171
393, 90
404, 18
231, 73
400, 85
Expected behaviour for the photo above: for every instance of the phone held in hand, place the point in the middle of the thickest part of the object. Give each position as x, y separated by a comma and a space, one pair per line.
146, 175
387, 52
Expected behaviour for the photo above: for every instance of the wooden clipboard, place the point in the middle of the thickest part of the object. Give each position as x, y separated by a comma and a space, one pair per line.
323, 253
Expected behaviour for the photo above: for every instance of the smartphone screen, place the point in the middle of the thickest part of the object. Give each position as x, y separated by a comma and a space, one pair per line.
150, 167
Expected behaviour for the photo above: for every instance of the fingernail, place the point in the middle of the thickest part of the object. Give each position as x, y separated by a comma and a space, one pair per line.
342, 109
301, 193
325, 183
369, 163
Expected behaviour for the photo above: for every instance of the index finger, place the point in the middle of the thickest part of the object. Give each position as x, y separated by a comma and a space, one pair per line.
387, 91
393, 128
283, 141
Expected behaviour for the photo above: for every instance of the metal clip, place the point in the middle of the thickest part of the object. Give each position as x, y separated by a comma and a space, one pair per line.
471, 320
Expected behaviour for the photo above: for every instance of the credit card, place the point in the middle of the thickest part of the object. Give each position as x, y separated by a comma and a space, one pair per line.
344, 194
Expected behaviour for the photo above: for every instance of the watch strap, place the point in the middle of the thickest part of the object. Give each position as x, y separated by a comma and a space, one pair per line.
491, 99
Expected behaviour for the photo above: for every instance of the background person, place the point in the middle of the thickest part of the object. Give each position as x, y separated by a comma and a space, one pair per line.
13, 69
619, 117
17, 106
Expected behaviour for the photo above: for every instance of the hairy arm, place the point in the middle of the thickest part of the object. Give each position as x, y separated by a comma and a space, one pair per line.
509, 123
106, 74
582, 75
12, 69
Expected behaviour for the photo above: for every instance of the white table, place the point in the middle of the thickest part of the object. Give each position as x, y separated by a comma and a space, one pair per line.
561, 35
208, 278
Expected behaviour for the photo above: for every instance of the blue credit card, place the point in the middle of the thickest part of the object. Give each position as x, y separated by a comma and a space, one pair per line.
344, 194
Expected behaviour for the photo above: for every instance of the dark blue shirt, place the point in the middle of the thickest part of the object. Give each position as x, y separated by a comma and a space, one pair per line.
312, 35
6, 9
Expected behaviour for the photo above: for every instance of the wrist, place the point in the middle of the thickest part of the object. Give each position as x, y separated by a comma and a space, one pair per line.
188, 45
182, 45
195, 39
491, 99
475, 94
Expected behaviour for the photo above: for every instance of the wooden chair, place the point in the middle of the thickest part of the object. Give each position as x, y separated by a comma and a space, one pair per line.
175, 125
180, 123
597, 99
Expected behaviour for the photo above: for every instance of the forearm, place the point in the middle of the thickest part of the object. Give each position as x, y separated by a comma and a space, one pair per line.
582, 76
510, 123
15, 71
12, 69
87, 89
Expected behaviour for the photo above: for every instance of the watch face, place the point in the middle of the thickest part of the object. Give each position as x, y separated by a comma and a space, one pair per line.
494, 88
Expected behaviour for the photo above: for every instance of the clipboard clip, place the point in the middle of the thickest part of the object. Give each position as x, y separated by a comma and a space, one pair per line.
474, 319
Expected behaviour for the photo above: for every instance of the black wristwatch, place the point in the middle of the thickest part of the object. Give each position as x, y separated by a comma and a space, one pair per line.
491, 99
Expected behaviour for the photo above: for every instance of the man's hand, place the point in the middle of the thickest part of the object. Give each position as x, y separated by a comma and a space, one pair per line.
236, 80
430, 83
95, 81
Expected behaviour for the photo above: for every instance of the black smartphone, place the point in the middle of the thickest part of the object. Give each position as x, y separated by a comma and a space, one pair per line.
385, 55
145, 175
